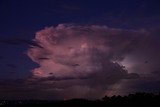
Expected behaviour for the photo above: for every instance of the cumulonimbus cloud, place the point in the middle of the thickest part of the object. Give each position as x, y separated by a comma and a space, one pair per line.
81, 56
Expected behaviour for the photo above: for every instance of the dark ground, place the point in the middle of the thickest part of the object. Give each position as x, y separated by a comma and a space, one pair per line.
132, 100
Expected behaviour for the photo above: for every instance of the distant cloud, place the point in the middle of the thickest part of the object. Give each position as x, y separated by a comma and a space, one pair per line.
18, 42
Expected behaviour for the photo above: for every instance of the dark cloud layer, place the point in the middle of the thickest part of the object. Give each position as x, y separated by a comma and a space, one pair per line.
18, 42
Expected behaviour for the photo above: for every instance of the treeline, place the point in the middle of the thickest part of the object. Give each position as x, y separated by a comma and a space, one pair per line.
132, 100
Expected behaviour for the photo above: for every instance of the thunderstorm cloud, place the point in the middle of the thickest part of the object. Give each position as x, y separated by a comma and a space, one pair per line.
84, 60
69, 51
88, 61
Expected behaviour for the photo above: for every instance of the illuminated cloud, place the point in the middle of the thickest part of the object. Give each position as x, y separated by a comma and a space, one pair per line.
89, 57
75, 51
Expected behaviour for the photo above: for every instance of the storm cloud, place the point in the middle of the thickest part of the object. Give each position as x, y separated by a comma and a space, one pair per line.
79, 51
86, 58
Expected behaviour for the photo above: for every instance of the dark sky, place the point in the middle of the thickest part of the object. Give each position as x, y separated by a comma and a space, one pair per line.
95, 47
